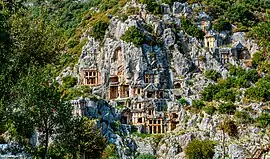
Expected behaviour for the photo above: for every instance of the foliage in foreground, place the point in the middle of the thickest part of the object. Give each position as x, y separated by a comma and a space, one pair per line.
203, 149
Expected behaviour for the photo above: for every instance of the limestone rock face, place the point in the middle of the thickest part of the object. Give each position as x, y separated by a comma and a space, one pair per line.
239, 36
145, 146
176, 63
169, 37
178, 7
236, 151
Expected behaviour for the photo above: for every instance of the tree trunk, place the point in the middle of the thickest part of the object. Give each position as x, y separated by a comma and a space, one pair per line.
223, 144
46, 144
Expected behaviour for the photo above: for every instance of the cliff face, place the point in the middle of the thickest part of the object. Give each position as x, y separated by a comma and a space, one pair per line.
124, 74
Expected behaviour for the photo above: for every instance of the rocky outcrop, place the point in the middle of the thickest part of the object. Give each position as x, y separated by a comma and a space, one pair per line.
177, 62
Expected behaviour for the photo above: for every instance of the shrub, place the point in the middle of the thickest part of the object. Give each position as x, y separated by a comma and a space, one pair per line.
148, 27
242, 117
240, 13
226, 95
229, 127
212, 74
209, 92
222, 25
251, 75
133, 35
198, 104
259, 92
72, 93
209, 110
133, 10
227, 108
263, 120
182, 101
69, 81
146, 156
152, 6
240, 82
72, 43
99, 29
200, 149
257, 58
110, 152
236, 71
107, 4
191, 29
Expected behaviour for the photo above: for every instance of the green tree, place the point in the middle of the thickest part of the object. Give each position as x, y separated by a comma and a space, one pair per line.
182, 101
134, 35
152, 6
227, 126
39, 101
222, 25
81, 137
69, 81
240, 13
203, 149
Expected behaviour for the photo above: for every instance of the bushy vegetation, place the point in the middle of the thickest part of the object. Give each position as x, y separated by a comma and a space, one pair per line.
240, 13
99, 28
225, 88
259, 92
73, 93
263, 120
203, 149
212, 74
146, 156
69, 81
182, 101
248, 75
110, 152
229, 127
209, 109
242, 117
191, 29
133, 35
66, 14
152, 6
227, 108
222, 25
209, 92
198, 104
225, 95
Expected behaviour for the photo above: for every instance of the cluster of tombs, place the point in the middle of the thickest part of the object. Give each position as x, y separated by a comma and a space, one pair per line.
237, 51
145, 103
